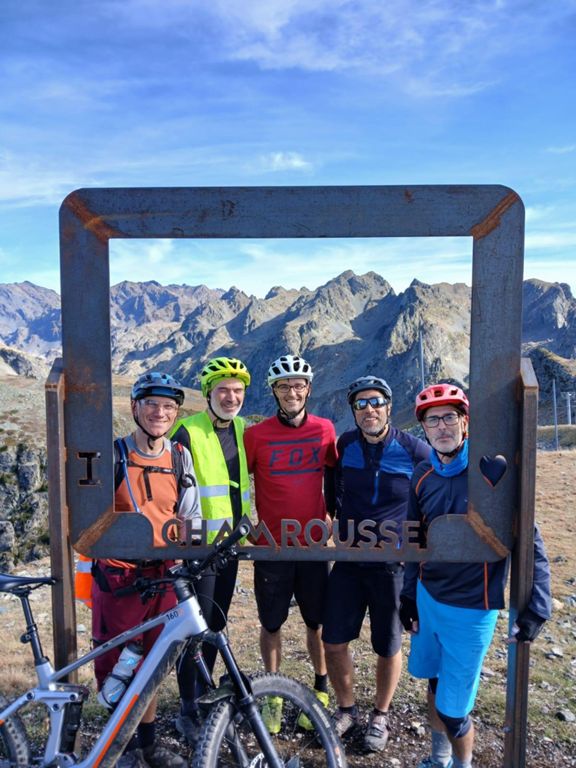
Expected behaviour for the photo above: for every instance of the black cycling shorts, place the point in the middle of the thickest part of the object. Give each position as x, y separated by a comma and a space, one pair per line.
353, 589
275, 583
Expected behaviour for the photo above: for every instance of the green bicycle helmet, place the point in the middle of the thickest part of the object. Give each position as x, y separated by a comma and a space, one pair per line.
222, 368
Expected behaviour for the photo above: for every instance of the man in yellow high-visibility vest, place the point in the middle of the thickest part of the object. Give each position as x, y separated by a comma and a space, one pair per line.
215, 440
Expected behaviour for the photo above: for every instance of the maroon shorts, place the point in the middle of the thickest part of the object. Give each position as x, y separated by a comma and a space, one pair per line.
112, 615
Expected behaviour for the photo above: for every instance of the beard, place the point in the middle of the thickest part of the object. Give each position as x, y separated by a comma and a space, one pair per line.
222, 414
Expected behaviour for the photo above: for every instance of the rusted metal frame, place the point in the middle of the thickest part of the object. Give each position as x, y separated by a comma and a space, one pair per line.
61, 554
290, 212
85, 292
521, 575
495, 348
497, 273
492, 215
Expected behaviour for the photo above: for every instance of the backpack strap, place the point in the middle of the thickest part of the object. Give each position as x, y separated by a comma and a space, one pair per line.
183, 478
120, 462
121, 470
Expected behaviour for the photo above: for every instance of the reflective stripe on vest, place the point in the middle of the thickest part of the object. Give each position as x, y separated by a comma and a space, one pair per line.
83, 580
212, 472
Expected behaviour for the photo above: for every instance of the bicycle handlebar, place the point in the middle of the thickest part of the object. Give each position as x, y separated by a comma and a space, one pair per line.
221, 549
190, 569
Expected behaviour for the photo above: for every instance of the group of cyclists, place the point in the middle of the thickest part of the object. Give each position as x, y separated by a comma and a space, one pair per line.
198, 469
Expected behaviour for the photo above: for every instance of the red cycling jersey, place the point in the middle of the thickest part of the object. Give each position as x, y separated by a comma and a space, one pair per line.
288, 466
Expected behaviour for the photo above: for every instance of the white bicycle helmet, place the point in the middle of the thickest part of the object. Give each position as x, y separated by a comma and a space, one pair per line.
289, 367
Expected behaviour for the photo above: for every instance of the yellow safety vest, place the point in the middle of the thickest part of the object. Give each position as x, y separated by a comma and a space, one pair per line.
212, 472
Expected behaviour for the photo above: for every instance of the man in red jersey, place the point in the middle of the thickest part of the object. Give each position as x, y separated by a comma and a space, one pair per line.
292, 456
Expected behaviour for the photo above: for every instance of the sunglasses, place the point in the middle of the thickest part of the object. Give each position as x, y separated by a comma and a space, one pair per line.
363, 402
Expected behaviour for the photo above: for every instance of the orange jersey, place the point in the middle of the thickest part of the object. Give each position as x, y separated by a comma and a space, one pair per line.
155, 493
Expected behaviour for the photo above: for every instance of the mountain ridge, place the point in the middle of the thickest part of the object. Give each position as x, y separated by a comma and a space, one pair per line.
351, 325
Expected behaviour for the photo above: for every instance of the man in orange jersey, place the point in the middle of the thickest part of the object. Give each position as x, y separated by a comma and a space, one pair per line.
157, 480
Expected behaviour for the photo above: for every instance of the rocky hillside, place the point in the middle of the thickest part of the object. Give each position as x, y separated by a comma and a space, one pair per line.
352, 325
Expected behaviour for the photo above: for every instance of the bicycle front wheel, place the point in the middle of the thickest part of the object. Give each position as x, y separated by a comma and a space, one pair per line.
14, 747
227, 739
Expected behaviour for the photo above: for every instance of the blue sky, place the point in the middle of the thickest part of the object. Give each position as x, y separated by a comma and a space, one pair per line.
104, 93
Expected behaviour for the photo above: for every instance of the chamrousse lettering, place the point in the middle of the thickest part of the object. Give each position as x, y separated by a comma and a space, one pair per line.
366, 536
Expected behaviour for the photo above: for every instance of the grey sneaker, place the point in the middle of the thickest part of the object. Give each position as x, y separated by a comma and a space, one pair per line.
428, 762
131, 759
344, 722
158, 756
190, 727
376, 736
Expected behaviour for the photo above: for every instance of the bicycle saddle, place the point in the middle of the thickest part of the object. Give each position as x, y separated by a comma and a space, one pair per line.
11, 583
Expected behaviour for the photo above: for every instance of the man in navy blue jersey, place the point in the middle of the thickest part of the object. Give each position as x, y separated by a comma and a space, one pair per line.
373, 471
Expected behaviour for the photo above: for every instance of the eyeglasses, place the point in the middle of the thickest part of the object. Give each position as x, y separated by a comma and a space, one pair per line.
285, 388
363, 402
153, 405
449, 419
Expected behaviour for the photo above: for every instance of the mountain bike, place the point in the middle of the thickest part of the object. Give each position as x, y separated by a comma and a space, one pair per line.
233, 733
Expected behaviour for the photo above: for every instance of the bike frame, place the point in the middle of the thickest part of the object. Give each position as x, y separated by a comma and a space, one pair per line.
182, 624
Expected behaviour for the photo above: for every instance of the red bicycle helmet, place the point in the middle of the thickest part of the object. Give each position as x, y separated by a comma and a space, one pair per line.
440, 394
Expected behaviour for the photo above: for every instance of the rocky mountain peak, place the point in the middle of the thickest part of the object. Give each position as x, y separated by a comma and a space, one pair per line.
347, 327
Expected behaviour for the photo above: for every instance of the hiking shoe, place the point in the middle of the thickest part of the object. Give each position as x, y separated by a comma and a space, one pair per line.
131, 759
272, 714
376, 736
428, 762
157, 756
344, 722
304, 720
190, 727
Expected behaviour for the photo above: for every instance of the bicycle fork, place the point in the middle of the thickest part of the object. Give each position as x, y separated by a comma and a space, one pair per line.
246, 704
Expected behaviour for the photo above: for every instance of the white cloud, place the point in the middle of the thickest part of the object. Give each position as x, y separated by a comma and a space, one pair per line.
565, 150
429, 47
255, 266
284, 161
550, 240
30, 188
538, 213
142, 260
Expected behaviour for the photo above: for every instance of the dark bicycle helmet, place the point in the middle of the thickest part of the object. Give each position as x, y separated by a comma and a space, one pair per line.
440, 394
368, 382
222, 368
160, 384
289, 367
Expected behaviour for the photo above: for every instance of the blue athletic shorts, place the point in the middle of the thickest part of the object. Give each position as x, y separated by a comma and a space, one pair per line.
353, 589
450, 645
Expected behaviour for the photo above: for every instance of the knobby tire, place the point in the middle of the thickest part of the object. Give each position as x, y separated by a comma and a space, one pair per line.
316, 748
14, 746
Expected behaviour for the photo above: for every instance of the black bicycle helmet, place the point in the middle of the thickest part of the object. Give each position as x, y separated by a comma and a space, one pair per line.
368, 382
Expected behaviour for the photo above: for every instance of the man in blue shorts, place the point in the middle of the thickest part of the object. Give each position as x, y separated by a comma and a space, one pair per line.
451, 609
373, 471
